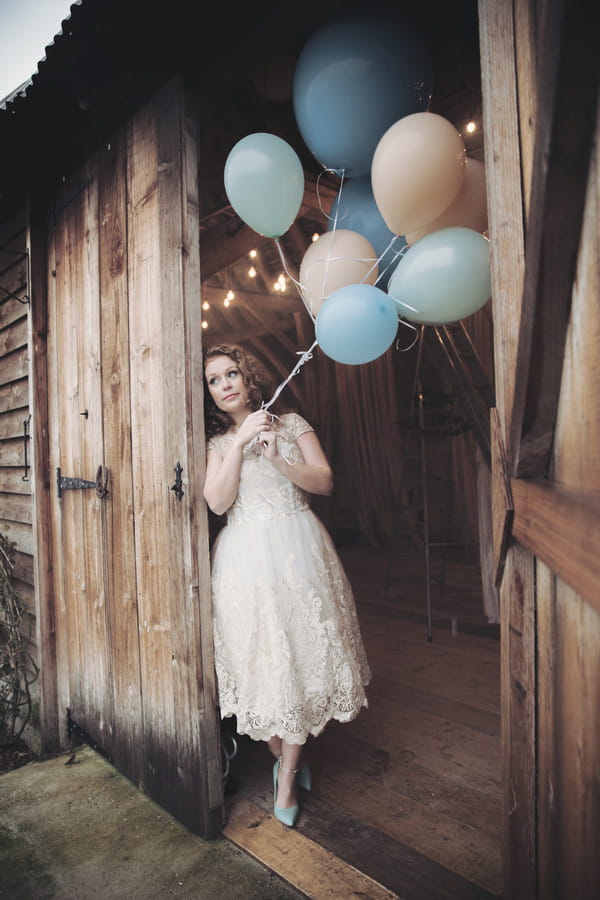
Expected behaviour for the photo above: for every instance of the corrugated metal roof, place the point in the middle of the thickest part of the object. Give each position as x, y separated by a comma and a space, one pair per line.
21, 90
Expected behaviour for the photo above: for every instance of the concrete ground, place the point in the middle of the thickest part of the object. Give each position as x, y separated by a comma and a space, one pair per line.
84, 832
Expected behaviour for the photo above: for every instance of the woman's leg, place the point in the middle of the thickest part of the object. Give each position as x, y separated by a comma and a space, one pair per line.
274, 745
287, 794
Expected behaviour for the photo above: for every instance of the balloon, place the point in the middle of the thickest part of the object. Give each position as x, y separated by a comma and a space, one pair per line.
443, 277
264, 181
355, 208
418, 169
354, 77
356, 324
336, 259
467, 210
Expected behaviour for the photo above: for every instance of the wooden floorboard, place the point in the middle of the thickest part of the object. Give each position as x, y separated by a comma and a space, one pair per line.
409, 793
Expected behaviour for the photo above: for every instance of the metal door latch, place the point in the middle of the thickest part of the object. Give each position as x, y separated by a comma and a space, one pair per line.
64, 483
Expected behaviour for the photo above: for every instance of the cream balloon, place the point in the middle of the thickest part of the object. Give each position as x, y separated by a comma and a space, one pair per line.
335, 260
417, 170
467, 210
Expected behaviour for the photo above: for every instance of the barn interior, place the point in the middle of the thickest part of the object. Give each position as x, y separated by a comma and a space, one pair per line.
409, 794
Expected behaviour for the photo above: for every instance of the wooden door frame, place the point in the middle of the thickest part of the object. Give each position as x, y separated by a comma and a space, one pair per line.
539, 123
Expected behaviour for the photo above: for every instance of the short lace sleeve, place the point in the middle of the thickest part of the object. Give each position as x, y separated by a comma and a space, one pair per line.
295, 425
216, 443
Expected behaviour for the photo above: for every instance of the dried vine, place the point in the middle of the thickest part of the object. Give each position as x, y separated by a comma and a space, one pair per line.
18, 669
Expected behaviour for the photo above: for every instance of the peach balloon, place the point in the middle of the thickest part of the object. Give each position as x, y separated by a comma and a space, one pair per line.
467, 210
335, 260
417, 170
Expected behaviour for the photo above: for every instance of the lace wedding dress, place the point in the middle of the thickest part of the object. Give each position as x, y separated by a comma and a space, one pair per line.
289, 655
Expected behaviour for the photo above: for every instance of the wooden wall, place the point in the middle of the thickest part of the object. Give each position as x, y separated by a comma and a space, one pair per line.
540, 89
15, 424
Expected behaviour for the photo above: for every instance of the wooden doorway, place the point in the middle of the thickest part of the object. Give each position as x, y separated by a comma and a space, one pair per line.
133, 640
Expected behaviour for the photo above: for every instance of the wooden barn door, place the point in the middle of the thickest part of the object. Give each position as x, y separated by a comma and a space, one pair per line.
540, 89
134, 646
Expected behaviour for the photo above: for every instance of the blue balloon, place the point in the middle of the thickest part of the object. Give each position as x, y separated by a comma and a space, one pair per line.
354, 78
355, 208
264, 181
443, 277
356, 324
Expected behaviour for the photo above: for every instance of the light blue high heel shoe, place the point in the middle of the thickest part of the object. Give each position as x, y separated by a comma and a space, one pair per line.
287, 814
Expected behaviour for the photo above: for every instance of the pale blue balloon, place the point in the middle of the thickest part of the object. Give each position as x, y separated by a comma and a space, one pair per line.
355, 208
355, 77
264, 181
356, 324
443, 277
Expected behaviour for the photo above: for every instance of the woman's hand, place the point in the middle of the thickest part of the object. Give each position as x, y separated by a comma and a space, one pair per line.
268, 443
254, 424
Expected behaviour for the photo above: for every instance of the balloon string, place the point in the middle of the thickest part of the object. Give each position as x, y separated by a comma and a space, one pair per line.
291, 277
305, 356
416, 338
339, 172
397, 256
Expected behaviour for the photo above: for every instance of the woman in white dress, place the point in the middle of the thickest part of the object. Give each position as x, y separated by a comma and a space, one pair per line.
289, 655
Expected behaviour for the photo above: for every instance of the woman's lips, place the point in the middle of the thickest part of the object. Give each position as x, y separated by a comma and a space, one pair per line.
230, 397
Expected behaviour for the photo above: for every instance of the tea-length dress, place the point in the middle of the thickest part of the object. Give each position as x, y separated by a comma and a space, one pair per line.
289, 655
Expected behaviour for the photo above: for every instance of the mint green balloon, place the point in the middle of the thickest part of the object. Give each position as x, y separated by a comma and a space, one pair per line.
264, 182
443, 277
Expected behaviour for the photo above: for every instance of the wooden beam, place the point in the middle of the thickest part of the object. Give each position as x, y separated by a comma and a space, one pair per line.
566, 120
502, 502
561, 526
224, 242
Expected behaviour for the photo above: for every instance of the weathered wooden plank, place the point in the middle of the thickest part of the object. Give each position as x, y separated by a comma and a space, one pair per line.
15, 365
210, 762
561, 525
14, 395
14, 337
16, 508
11, 423
12, 310
126, 745
576, 775
502, 503
18, 532
150, 469
12, 453
565, 125
503, 186
548, 841
518, 729
11, 481
326, 876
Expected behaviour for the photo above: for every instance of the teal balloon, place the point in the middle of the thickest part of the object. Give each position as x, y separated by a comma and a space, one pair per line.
264, 182
355, 208
356, 324
443, 277
354, 78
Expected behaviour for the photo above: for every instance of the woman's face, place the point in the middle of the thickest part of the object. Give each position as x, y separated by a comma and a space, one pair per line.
226, 385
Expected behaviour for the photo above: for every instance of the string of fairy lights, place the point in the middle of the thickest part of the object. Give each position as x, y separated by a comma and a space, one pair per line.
279, 285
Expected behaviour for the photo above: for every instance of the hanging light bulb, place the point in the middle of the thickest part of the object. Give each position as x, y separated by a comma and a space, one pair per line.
226, 302
252, 254
230, 295
204, 323
252, 272
206, 305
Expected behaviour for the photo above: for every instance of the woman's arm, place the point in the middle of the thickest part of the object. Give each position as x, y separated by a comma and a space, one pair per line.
314, 474
223, 472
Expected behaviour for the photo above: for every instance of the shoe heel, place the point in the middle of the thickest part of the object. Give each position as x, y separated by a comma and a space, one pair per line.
304, 778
